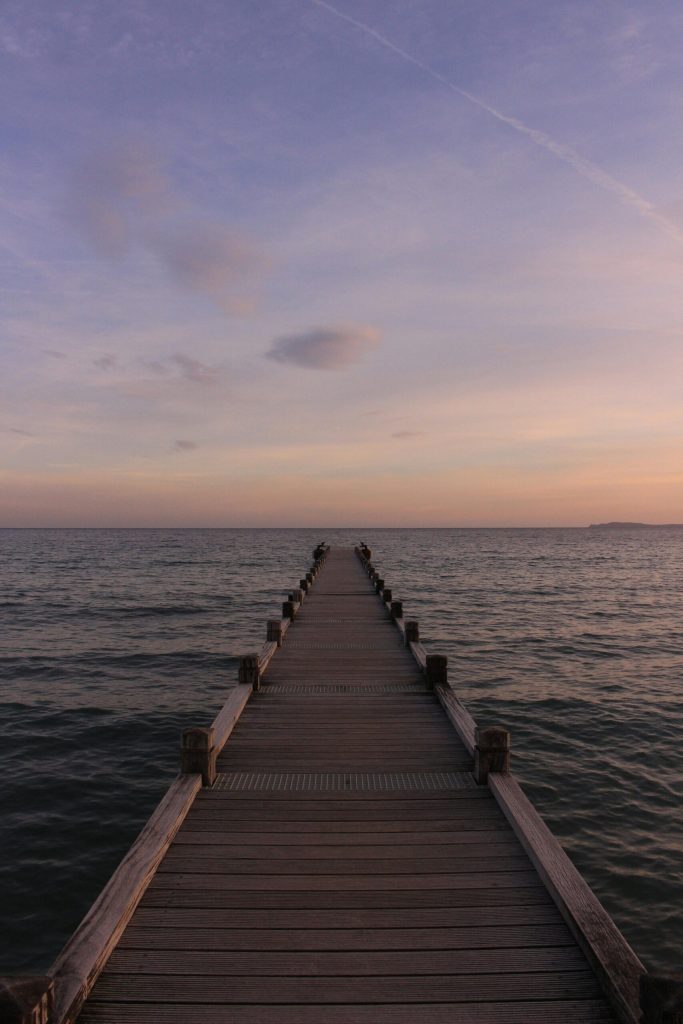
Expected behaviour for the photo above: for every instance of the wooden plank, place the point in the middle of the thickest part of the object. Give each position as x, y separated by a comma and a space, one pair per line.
190, 912
352, 883
584, 1011
419, 654
460, 988
609, 954
227, 717
80, 962
226, 844
319, 825
200, 937
210, 864
459, 716
334, 963
266, 653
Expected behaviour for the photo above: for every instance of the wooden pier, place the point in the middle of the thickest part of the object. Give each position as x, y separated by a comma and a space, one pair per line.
344, 846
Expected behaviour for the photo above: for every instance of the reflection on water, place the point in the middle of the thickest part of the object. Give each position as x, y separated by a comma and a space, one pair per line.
113, 641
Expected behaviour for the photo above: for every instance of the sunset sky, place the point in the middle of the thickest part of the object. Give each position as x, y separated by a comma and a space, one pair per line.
400, 262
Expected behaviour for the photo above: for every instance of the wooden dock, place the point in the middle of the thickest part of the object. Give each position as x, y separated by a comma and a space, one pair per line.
358, 853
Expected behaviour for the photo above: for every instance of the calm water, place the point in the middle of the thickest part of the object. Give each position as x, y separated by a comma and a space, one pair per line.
112, 641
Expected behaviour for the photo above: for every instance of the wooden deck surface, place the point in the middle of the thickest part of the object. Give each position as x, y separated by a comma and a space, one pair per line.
345, 869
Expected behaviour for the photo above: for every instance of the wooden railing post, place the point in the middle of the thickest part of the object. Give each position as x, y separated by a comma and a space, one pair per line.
387, 595
288, 609
26, 1000
198, 754
379, 584
397, 609
661, 999
436, 670
491, 752
297, 595
412, 632
249, 671
303, 586
309, 578
274, 631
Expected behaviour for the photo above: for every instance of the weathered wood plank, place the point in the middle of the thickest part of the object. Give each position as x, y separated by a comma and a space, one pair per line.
78, 965
341, 867
459, 716
384, 913
352, 883
334, 963
584, 1011
199, 936
460, 988
218, 844
227, 717
266, 653
405, 909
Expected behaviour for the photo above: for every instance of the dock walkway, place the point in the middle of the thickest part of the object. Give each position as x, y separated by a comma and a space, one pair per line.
345, 867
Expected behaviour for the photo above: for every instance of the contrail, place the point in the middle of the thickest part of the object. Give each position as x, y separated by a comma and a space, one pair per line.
587, 169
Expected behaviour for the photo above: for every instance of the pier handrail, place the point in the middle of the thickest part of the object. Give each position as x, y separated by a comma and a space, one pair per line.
77, 967
606, 949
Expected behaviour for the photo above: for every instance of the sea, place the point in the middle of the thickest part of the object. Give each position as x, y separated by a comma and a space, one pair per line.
113, 641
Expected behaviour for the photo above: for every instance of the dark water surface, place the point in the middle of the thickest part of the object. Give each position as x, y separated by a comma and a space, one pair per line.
112, 641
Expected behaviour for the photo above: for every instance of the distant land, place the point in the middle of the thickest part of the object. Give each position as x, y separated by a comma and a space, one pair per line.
633, 526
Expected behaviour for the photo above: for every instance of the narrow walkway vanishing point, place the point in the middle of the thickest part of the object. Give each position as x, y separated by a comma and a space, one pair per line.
358, 853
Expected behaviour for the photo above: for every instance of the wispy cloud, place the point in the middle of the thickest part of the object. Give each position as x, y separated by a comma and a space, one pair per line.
185, 446
585, 168
54, 353
210, 259
405, 434
106, 362
122, 198
194, 370
324, 348
114, 192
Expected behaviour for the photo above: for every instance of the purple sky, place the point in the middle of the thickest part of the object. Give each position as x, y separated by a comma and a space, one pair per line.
411, 262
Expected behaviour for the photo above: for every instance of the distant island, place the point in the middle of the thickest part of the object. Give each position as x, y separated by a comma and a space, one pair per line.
633, 526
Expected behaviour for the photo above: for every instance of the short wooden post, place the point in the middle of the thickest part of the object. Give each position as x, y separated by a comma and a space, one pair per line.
412, 632
288, 610
297, 595
274, 631
397, 609
26, 1000
197, 754
491, 752
387, 595
309, 578
249, 671
436, 671
303, 585
661, 999
379, 584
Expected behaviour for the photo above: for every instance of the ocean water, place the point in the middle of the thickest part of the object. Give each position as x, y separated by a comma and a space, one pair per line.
112, 641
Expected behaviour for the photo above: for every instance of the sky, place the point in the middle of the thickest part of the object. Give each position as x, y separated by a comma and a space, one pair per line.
389, 263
